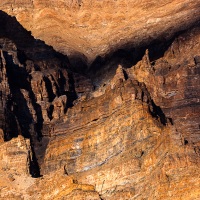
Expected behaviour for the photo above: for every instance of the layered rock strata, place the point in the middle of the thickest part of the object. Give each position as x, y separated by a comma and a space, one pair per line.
34, 86
139, 139
134, 135
86, 29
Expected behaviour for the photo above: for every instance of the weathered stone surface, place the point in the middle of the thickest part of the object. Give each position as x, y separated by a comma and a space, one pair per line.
173, 82
36, 89
61, 186
134, 134
32, 76
1, 136
91, 28
133, 141
15, 156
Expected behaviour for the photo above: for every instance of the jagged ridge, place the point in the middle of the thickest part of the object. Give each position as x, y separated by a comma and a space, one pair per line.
133, 135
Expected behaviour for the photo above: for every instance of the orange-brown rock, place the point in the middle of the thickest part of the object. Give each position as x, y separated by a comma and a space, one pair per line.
112, 133
92, 28
16, 183
131, 142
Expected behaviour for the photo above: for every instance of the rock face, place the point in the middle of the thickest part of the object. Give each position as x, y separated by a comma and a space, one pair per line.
32, 77
116, 132
140, 138
90, 28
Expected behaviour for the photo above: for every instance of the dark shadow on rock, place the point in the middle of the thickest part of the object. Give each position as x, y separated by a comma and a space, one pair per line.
17, 80
78, 63
18, 116
128, 55
31, 48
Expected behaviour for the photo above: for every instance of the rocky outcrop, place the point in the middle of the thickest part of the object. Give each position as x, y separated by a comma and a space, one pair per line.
173, 82
116, 132
136, 140
85, 29
33, 76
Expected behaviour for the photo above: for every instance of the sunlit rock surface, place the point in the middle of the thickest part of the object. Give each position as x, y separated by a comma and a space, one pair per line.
90, 28
126, 128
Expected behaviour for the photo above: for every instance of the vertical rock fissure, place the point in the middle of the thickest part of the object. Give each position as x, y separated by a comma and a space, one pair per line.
157, 113
154, 110
71, 95
17, 80
33, 165
48, 84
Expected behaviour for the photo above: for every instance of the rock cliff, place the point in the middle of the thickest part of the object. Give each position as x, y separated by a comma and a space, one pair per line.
85, 29
126, 127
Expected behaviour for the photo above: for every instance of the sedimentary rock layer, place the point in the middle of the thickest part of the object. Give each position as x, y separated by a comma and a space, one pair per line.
116, 132
139, 139
91, 28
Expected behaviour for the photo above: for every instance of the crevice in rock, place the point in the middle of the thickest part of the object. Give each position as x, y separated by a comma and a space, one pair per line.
11, 124
34, 166
39, 124
125, 74
61, 82
71, 95
17, 80
157, 113
171, 121
185, 142
48, 84
50, 112
100, 197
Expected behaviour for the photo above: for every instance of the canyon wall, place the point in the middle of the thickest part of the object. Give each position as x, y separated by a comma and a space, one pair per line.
126, 128
86, 29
